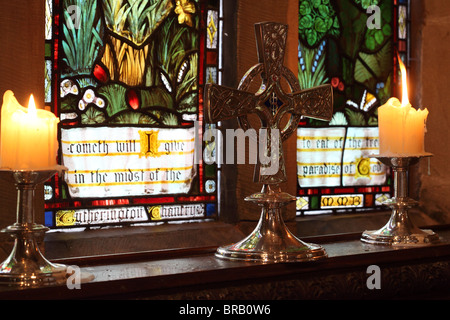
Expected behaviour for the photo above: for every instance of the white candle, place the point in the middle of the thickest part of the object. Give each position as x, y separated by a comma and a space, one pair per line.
401, 127
28, 136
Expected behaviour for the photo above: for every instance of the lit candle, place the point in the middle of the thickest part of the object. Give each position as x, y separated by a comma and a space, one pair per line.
28, 136
401, 127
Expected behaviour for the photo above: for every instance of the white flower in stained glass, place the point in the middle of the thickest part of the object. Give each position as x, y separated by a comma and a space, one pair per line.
81, 105
99, 102
68, 86
89, 96
189, 117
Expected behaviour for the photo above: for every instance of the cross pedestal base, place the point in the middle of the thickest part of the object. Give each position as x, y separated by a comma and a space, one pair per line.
271, 241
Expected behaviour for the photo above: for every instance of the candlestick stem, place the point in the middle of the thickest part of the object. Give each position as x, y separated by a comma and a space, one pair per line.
26, 266
400, 182
25, 203
400, 230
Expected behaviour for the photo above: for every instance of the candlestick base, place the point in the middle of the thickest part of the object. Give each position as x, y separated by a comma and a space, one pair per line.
26, 266
271, 241
400, 230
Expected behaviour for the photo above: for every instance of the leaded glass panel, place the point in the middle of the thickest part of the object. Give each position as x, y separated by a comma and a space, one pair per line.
125, 78
353, 45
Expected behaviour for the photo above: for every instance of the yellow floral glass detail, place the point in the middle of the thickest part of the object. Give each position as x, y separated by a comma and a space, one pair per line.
184, 9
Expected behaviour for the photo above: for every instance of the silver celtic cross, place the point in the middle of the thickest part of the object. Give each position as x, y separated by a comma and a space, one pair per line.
271, 103
271, 241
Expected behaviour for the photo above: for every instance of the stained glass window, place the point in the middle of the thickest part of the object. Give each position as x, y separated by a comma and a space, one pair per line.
125, 77
353, 45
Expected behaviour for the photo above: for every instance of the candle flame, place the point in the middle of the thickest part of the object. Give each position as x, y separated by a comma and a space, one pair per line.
405, 100
32, 106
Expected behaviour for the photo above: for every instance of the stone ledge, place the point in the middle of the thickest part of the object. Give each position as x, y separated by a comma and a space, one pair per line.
120, 240
406, 273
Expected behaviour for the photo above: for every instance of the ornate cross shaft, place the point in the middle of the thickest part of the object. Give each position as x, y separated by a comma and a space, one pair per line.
271, 103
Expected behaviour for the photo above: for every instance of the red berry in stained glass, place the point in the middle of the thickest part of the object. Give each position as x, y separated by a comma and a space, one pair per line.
100, 73
335, 82
133, 99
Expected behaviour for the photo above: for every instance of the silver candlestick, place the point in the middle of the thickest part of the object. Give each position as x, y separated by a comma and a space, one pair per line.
400, 230
26, 266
